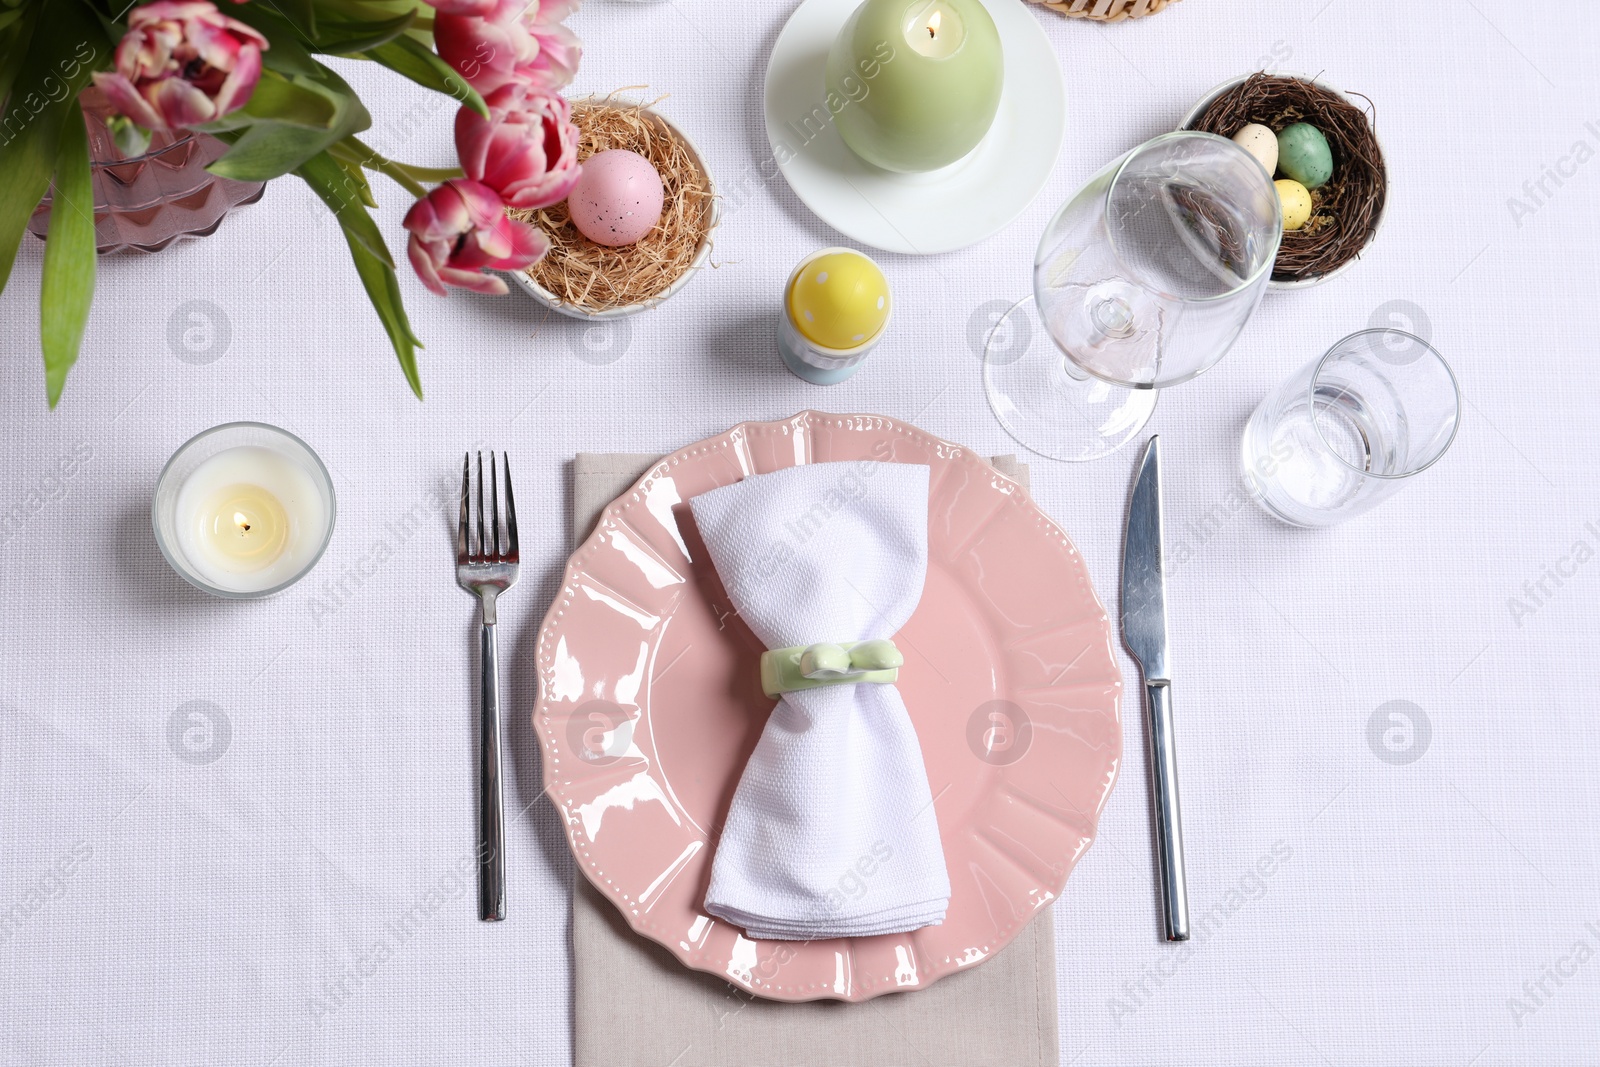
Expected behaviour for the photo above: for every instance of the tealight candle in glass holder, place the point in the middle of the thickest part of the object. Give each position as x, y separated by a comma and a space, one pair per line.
243, 510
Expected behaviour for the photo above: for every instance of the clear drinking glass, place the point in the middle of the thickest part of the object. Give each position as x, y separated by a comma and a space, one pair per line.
1143, 280
1349, 429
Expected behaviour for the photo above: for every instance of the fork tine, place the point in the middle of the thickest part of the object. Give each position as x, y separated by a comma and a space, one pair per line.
511, 509
494, 509
483, 542
466, 484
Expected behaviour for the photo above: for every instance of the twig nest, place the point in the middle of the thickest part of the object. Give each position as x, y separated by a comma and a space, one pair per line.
592, 278
1326, 144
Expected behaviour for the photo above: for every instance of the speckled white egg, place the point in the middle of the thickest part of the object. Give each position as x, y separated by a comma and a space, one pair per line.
617, 199
1260, 142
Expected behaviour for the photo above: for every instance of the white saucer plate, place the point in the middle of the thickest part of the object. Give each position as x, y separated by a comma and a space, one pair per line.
919, 214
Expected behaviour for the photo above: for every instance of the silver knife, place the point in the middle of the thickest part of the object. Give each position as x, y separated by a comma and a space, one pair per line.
1144, 629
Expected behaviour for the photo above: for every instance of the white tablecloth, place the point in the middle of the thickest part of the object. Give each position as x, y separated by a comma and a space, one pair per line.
242, 833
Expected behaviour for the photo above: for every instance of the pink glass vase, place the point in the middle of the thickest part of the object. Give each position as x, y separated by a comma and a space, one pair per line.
144, 203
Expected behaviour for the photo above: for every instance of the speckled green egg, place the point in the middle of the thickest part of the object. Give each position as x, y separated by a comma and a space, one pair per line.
1304, 155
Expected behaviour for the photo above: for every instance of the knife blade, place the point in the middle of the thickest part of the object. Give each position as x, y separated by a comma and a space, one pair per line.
1144, 631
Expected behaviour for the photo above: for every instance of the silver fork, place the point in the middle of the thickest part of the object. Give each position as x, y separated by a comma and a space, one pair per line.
486, 573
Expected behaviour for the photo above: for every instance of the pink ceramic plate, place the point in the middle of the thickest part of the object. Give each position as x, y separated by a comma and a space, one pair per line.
650, 703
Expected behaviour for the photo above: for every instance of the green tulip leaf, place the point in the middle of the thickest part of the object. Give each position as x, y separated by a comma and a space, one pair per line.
383, 289
359, 10
301, 13
291, 101
339, 28
406, 57
358, 182
14, 41
267, 149
67, 286
287, 49
64, 47
130, 138
327, 178
345, 37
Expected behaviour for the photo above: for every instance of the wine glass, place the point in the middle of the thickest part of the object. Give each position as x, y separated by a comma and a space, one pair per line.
1142, 280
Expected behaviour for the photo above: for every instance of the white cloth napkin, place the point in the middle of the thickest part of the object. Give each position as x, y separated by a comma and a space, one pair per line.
832, 830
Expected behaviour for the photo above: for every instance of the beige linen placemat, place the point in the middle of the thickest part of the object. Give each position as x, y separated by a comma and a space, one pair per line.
635, 1005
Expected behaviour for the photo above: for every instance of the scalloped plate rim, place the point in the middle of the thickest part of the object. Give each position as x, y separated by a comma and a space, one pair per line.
808, 419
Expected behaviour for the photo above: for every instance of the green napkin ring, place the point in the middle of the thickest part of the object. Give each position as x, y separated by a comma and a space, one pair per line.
792, 670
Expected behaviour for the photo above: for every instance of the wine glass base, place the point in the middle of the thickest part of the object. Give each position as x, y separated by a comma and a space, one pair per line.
1047, 409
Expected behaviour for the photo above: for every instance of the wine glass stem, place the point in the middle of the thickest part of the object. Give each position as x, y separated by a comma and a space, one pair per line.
1075, 372
1111, 317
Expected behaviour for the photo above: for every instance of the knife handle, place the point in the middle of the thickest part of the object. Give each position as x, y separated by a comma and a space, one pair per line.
1168, 819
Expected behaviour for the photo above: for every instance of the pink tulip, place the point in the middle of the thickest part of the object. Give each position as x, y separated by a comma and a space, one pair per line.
546, 11
515, 41
556, 63
463, 7
182, 63
526, 150
460, 230
552, 11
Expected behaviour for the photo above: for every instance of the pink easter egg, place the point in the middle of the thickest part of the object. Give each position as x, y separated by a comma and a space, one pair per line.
617, 199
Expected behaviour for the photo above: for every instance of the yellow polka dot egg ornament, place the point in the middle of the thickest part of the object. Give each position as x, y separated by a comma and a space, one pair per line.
839, 300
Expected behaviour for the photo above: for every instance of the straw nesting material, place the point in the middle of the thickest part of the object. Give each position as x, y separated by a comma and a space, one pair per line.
594, 277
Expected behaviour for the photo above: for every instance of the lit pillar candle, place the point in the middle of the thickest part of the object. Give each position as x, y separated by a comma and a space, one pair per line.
244, 510
935, 29
915, 84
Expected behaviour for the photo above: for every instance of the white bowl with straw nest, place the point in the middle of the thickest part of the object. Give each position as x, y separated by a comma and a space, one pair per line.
586, 280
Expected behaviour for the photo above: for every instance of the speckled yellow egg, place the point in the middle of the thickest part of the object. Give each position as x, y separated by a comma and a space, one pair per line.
840, 300
1260, 142
1296, 202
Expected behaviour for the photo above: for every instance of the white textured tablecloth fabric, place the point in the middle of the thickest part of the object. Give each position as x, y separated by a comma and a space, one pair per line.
236, 833
635, 1005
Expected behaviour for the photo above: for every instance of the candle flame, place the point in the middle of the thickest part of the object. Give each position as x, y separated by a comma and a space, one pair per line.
242, 521
933, 25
